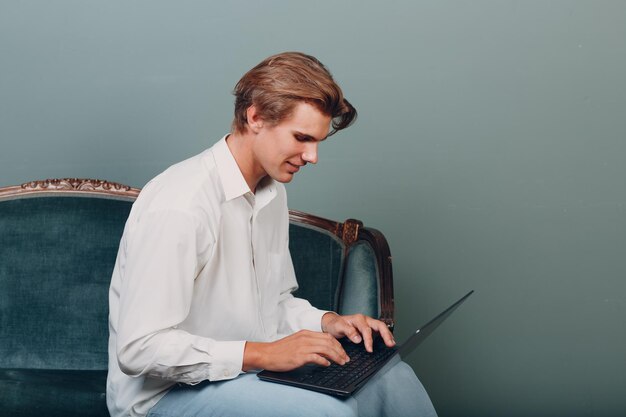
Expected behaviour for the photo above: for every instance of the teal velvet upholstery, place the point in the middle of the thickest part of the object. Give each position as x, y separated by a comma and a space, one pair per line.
360, 292
318, 260
329, 282
57, 252
52, 393
57, 258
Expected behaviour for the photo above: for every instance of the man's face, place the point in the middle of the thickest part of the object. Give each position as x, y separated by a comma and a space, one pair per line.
279, 151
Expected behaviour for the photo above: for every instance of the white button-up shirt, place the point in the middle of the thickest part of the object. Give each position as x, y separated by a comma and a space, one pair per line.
203, 266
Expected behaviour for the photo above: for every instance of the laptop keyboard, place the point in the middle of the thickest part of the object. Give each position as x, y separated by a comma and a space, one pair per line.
361, 364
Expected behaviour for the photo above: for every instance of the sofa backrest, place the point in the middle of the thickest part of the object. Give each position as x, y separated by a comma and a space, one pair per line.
57, 253
58, 244
334, 274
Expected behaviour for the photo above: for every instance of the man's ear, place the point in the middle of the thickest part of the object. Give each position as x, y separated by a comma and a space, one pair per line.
254, 119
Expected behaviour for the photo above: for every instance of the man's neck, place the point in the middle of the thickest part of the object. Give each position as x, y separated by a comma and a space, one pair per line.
240, 146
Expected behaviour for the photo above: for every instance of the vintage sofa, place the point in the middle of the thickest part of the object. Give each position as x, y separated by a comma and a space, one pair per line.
58, 242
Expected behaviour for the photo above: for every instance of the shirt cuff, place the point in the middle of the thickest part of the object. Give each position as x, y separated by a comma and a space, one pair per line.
312, 319
227, 360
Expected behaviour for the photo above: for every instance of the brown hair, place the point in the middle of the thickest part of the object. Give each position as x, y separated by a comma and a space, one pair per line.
279, 82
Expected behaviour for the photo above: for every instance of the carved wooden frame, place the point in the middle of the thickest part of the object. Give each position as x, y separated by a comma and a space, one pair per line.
349, 232
71, 186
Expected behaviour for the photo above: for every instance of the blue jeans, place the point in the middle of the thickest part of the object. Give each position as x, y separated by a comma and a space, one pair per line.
393, 392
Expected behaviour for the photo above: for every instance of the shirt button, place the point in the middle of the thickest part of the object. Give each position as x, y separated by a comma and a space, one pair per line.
226, 373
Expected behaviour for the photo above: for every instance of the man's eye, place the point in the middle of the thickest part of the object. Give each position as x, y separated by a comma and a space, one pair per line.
302, 138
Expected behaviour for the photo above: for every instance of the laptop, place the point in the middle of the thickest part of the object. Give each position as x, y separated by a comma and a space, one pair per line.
343, 381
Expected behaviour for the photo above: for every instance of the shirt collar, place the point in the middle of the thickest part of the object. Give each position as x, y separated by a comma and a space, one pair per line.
265, 192
233, 182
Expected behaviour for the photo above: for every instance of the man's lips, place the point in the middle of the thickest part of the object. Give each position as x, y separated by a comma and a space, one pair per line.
295, 168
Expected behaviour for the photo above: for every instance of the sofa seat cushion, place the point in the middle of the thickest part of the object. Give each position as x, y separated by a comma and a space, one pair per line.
52, 393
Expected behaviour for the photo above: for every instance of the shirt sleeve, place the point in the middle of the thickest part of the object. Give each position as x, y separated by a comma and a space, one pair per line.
164, 253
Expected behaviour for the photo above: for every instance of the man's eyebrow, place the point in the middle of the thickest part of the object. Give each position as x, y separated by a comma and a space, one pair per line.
309, 137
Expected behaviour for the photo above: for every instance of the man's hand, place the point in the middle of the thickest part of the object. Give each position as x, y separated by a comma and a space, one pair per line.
356, 327
307, 347
298, 349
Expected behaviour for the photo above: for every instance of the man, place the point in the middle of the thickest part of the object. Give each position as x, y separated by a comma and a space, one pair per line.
201, 291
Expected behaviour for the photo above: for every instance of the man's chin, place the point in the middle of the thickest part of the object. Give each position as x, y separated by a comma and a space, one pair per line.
284, 178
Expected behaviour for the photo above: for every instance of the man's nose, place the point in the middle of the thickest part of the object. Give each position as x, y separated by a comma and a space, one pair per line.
310, 153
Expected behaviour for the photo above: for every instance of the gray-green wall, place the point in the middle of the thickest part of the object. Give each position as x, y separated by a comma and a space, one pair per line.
490, 149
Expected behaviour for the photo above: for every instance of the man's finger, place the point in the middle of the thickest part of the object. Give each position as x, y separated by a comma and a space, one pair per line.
366, 332
342, 326
316, 359
374, 325
329, 348
360, 322
383, 330
351, 333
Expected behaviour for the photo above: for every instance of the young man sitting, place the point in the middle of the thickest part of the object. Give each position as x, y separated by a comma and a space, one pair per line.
201, 294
